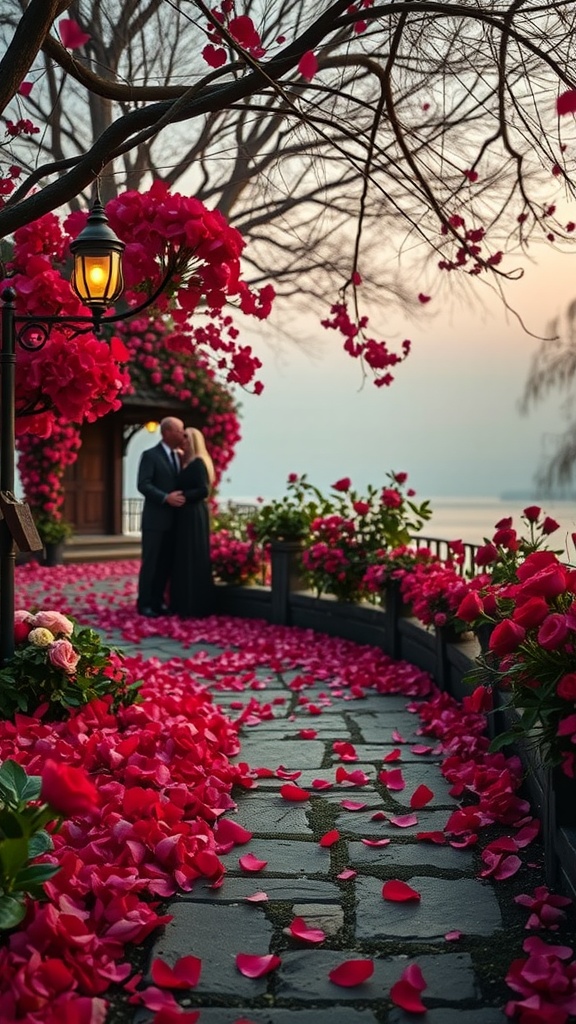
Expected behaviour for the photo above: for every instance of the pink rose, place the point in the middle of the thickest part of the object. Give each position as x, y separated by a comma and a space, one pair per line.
506, 637
54, 621
553, 632
62, 655
68, 790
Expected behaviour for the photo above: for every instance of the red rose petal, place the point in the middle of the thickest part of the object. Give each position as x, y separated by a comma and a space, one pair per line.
420, 797
285, 773
294, 793
329, 838
251, 863
399, 892
352, 972
321, 784
71, 34
308, 734
392, 778
394, 755
300, 930
406, 992
184, 974
257, 966
378, 816
432, 837
308, 65
228, 831
566, 102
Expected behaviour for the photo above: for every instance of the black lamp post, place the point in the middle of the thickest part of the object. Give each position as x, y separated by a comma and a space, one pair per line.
98, 282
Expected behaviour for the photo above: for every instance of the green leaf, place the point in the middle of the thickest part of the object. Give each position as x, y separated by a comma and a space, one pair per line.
12, 911
34, 876
12, 824
39, 843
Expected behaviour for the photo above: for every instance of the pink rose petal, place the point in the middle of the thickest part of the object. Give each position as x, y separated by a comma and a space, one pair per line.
71, 34
347, 874
257, 897
321, 784
229, 831
352, 805
257, 966
351, 973
404, 820
406, 992
251, 863
375, 842
453, 936
300, 930
308, 65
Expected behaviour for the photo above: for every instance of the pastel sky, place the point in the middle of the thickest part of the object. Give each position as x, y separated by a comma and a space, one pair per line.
450, 419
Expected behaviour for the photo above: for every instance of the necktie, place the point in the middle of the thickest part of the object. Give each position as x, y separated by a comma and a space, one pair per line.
175, 462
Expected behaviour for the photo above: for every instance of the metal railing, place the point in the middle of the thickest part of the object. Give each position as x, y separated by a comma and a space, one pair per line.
132, 512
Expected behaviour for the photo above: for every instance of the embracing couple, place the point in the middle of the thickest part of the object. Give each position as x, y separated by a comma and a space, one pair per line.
175, 477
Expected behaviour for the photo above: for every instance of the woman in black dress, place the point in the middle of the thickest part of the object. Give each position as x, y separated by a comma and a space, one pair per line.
191, 585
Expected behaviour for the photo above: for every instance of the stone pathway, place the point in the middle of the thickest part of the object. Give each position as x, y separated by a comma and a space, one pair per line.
300, 879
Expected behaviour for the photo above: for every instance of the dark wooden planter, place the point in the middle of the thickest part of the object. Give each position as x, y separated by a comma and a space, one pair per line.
54, 554
286, 568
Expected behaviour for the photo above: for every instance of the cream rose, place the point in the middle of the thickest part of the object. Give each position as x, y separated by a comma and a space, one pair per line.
41, 637
62, 655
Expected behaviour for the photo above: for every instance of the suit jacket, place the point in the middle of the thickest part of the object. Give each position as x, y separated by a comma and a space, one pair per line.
156, 478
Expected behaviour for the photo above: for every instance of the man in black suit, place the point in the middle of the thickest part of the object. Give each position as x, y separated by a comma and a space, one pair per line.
157, 474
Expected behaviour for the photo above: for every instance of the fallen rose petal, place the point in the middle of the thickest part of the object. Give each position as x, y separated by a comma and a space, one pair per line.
308, 734
321, 784
257, 897
347, 874
351, 973
352, 805
184, 974
287, 774
421, 796
375, 842
404, 820
294, 793
378, 816
394, 755
399, 892
249, 862
179, 1016
453, 936
431, 837
300, 930
257, 966
405, 993
229, 831
392, 778
421, 748
329, 838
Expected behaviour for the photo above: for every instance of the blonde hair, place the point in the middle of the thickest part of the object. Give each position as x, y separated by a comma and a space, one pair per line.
198, 445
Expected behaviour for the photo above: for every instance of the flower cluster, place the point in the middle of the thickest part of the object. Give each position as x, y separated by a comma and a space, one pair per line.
393, 565
233, 560
345, 532
58, 666
532, 656
166, 359
42, 463
501, 556
435, 588
78, 377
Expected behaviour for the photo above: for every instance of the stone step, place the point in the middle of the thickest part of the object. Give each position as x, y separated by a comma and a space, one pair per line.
102, 548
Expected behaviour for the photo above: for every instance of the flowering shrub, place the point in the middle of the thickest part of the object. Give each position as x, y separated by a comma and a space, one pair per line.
394, 565
163, 358
435, 589
58, 666
344, 532
532, 656
27, 804
501, 556
233, 560
42, 463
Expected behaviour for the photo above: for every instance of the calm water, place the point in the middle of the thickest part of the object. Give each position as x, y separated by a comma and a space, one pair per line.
473, 519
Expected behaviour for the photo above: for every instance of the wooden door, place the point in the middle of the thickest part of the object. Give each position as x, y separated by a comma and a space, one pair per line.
93, 485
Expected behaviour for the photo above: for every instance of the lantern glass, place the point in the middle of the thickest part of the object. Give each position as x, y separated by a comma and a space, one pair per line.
97, 278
